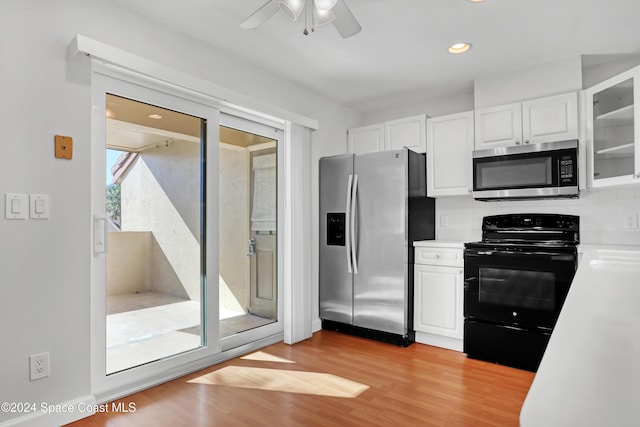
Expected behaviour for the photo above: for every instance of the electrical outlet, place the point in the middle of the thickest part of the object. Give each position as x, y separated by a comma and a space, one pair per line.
39, 366
630, 221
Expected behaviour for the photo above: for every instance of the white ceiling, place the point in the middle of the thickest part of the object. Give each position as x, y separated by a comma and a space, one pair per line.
401, 54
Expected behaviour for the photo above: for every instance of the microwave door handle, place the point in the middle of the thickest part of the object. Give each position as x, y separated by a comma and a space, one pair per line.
354, 207
346, 223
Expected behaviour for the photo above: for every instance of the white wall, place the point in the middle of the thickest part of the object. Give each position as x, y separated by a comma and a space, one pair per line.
44, 265
601, 215
597, 68
530, 83
433, 107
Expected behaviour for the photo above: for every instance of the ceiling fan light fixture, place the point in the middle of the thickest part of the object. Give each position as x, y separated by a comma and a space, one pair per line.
323, 17
324, 5
291, 8
457, 48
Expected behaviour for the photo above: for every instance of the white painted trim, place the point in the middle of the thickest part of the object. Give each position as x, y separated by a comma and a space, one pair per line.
316, 325
73, 410
439, 341
297, 296
229, 100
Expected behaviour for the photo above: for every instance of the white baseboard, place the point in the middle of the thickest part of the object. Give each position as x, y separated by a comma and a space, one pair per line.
316, 325
439, 341
56, 414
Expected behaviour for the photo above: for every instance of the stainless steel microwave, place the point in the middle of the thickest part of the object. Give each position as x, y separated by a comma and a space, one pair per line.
546, 170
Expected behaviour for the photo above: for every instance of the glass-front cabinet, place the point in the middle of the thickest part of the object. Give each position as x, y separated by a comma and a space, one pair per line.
613, 134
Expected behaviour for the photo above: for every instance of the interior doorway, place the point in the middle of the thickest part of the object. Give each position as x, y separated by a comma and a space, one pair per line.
248, 223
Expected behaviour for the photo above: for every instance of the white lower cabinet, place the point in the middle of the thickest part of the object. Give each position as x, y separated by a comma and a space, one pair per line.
438, 296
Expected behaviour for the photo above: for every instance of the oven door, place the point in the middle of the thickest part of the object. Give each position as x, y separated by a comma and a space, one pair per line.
522, 287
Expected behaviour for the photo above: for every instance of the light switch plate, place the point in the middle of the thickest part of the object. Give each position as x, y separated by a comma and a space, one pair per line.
15, 206
39, 206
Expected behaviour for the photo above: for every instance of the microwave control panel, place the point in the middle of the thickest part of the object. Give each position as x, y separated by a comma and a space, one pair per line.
567, 168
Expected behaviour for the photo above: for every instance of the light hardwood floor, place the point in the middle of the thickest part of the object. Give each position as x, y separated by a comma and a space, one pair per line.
336, 380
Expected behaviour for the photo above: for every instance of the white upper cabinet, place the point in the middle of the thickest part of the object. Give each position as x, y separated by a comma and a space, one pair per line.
392, 135
553, 118
613, 139
498, 126
408, 132
449, 147
366, 139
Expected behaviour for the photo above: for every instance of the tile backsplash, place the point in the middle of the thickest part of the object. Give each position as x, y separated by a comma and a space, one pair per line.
602, 215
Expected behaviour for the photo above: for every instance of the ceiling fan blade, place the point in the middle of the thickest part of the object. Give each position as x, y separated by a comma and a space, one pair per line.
346, 24
261, 15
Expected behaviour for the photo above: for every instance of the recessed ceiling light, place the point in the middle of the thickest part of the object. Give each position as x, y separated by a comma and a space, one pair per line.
476, 1
459, 48
110, 114
155, 116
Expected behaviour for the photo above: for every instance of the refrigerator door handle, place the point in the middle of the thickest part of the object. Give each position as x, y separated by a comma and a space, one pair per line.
352, 226
348, 229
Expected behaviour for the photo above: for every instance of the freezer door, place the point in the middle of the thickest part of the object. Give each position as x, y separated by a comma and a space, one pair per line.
336, 283
380, 285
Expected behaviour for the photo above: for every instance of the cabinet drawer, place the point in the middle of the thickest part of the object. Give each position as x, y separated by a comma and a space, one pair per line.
439, 256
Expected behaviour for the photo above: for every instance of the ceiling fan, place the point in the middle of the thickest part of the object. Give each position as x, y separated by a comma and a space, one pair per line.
319, 12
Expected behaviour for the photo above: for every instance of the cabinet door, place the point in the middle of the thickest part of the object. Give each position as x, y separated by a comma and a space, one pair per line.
408, 132
498, 126
366, 139
449, 147
613, 136
438, 300
554, 118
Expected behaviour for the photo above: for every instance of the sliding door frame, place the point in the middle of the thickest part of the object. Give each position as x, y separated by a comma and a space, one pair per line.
107, 81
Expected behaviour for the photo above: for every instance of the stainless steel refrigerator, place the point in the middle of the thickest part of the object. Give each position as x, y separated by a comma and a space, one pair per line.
372, 208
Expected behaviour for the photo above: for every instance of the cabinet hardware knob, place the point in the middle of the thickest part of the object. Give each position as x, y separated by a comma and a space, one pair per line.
527, 141
518, 142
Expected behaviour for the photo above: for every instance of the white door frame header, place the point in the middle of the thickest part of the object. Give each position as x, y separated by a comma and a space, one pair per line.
227, 100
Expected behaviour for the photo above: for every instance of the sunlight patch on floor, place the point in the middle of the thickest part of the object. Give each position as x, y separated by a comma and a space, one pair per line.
265, 357
285, 381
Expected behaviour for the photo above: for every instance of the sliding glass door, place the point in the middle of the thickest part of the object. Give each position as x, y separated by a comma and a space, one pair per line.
155, 157
249, 213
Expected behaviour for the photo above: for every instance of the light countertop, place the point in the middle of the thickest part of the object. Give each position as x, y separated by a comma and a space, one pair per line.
440, 243
590, 372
